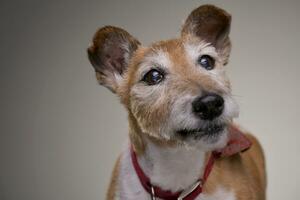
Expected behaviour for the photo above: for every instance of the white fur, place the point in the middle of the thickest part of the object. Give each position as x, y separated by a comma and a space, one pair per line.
220, 194
129, 186
172, 169
118, 78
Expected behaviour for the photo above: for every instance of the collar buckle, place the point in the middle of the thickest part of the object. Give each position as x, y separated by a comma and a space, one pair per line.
152, 193
189, 190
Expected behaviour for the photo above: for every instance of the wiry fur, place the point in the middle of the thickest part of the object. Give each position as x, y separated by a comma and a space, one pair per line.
157, 112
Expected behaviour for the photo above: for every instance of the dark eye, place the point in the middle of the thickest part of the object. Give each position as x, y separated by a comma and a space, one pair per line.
207, 62
153, 77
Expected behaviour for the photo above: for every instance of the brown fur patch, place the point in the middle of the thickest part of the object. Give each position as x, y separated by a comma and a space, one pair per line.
244, 174
109, 53
208, 22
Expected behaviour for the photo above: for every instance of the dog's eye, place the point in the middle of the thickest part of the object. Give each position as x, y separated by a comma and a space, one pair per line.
153, 77
207, 62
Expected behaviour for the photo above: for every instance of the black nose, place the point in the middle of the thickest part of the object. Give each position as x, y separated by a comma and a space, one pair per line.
209, 106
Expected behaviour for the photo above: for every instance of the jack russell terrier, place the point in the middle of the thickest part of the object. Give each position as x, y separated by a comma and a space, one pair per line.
183, 143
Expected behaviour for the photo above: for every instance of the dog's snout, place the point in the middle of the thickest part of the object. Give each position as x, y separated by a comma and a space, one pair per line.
208, 107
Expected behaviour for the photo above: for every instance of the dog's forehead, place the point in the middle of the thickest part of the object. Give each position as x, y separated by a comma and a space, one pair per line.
167, 54
171, 45
174, 50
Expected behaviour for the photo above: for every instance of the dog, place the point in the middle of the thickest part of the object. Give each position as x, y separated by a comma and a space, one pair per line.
183, 142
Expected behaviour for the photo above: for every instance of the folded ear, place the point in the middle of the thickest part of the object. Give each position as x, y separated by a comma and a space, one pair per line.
209, 23
109, 53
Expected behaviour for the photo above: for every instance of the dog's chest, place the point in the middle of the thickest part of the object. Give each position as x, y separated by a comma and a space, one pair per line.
130, 188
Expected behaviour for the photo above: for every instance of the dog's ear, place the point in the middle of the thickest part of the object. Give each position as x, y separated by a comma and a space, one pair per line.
109, 53
211, 24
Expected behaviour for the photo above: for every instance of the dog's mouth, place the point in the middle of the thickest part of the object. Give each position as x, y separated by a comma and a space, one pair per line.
210, 130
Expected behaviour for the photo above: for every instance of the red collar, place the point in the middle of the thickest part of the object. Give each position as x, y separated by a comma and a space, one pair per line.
238, 142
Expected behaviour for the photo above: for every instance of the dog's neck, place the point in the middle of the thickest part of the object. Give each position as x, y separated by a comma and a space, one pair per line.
172, 168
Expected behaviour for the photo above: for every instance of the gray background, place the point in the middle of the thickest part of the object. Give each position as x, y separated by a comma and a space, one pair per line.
61, 132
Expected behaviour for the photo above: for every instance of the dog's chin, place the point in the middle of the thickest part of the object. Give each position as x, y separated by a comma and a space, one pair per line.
208, 138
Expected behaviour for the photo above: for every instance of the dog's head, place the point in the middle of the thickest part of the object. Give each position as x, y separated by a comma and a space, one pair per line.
174, 90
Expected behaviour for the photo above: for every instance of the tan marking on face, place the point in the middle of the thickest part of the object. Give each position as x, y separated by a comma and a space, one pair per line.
151, 105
